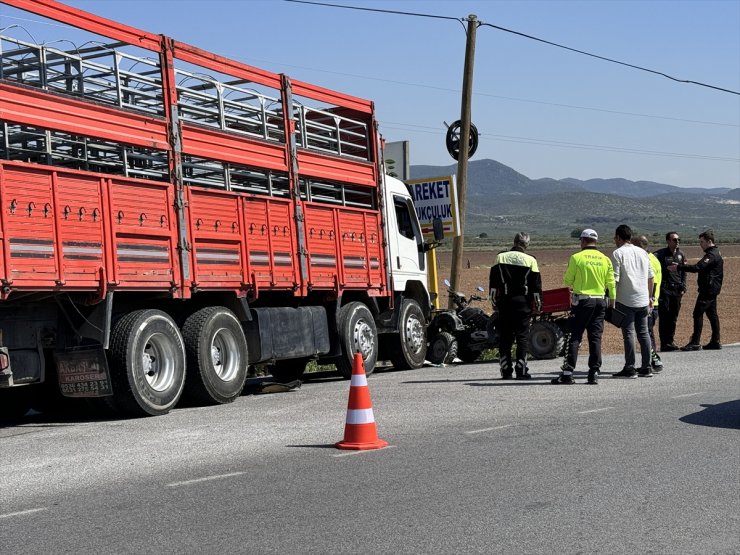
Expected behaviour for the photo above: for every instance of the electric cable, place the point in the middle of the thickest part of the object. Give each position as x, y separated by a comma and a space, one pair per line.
519, 33
609, 59
561, 144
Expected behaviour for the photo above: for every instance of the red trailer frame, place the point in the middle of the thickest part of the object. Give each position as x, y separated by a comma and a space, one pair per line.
69, 229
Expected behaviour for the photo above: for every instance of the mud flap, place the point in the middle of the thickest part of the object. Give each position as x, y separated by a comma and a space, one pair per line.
83, 373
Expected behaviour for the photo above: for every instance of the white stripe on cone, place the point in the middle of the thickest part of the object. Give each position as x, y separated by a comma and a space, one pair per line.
358, 380
360, 416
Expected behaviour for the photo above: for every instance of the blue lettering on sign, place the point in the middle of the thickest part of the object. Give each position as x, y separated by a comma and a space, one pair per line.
431, 212
431, 190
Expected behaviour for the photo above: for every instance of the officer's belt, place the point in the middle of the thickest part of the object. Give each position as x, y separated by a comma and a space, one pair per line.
582, 297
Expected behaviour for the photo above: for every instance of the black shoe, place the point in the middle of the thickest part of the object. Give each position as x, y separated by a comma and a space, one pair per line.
645, 372
524, 376
562, 380
669, 347
507, 376
593, 377
656, 363
628, 373
712, 346
691, 347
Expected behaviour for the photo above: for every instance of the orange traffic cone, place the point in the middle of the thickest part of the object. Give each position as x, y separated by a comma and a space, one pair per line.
359, 431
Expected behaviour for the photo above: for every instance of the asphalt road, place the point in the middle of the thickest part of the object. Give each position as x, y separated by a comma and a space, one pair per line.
474, 464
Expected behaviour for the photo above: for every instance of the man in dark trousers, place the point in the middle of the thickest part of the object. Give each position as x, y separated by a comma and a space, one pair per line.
711, 272
672, 289
515, 284
590, 277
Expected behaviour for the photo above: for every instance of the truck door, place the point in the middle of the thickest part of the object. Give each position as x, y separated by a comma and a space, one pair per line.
408, 260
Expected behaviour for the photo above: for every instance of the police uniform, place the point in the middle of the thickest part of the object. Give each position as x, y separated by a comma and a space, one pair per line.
672, 289
711, 273
657, 363
515, 277
590, 276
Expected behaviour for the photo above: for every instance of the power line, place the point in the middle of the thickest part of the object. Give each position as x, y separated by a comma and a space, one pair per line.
491, 95
531, 37
610, 59
360, 8
446, 89
561, 144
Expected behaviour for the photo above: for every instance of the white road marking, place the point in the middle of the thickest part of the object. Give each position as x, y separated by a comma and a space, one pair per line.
687, 395
361, 451
595, 410
26, 512
490, 429
204, 479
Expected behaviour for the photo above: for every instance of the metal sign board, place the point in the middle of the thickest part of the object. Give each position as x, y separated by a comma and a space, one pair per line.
436, 197
397, 162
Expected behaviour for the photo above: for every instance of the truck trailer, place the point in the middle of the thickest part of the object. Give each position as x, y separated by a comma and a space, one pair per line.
171, 216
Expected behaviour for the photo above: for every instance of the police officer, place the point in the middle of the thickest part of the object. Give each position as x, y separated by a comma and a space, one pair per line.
711, 272
515, 284
672, 289
590, 276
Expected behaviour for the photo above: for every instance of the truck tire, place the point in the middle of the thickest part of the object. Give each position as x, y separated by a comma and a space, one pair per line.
546, 340
147, 360
216, 356
357, 332
442, 348
15, 402
408, 349
285, 371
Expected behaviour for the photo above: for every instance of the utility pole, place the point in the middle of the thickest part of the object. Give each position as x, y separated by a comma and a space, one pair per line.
462, 161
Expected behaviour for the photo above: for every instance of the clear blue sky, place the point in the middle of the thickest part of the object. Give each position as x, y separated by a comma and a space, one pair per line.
544, 111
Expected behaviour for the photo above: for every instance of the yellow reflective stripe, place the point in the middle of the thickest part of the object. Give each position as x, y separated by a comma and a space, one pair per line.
516, 258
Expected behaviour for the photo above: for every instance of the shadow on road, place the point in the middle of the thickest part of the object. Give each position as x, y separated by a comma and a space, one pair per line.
722, 415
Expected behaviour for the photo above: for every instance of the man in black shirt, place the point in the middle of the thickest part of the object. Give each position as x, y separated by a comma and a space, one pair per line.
709, 280
672, 289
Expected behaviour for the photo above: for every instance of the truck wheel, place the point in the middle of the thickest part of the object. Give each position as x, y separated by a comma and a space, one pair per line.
147, 357
409, 348
216, 356
468, 355
442, 348
285, 371
357, 332
546, 340
15, 402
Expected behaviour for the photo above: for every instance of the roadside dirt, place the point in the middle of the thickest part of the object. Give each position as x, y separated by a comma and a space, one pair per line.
552, 263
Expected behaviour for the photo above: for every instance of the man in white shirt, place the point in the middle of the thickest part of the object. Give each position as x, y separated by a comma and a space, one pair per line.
634, 276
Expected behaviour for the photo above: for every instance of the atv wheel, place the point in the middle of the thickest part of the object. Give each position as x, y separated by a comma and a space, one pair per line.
442, 348
546, 340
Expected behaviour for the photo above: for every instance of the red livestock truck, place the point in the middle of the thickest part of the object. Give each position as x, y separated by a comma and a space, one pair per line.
169, 217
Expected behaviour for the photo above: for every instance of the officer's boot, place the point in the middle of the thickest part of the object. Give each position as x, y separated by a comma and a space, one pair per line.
566, 377
522, 372
506, 370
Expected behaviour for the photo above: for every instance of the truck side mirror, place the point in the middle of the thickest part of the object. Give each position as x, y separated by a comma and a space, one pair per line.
439, 229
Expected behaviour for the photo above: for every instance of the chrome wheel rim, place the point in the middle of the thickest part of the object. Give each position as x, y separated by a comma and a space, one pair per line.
224, 354
415, 338
363, 338
158, 361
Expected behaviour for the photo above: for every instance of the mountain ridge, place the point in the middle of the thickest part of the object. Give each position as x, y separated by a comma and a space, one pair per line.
501, 200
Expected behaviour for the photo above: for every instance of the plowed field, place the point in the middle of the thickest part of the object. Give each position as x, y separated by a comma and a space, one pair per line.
552, 263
